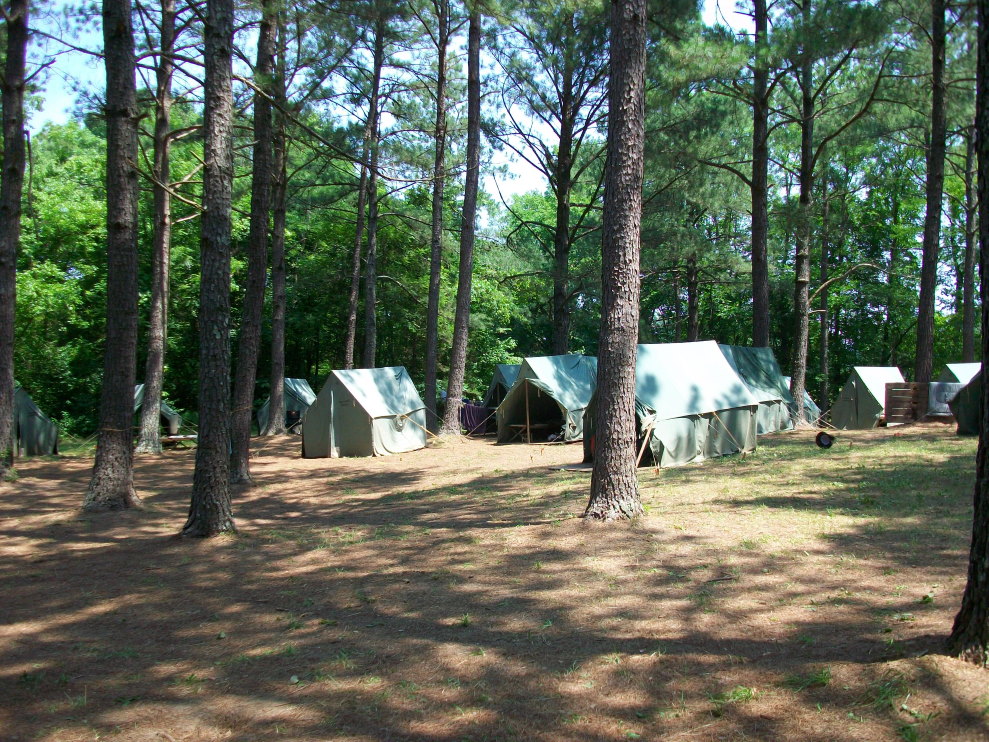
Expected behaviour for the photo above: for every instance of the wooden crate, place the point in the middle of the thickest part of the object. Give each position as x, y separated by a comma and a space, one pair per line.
906, 402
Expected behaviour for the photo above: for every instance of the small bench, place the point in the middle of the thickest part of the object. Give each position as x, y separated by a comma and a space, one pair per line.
178, 441
524, 432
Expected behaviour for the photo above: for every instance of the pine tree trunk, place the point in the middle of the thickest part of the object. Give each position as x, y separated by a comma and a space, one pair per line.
563, 180
461, 323
693, 300
149, 438
112, 485
805, 218
825, 316
760, 180
11, 189
436, 238
968, 271
614, 483
209, 509
923, 370
355, 267
276, 402
969, 637
371, 267
249, 338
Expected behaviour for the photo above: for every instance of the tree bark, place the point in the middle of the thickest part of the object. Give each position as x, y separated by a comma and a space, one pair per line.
923, 370
249, 338
968, 271
969, 637
825, 316
209, 509
760, 179
149, 440
461, 322
805, 219
276, 402
371, 266
693, 300
112, 485
442, 8
563, 180
614, 483
11, 190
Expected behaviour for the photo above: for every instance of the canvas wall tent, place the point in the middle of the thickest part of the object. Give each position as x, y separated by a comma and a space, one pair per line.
502, 380
690, 403
169, 417
34, 432
862, 399
298, 398
965, 406
812, 412
959, 373
549, 396
365, 412
757, 367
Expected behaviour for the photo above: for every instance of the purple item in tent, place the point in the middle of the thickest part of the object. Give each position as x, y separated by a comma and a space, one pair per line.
473, 417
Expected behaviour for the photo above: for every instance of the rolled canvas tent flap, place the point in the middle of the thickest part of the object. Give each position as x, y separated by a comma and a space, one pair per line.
298, 398
691, 404
758, 369
34, 432
862, 400
173, 420
550, 392
365, 412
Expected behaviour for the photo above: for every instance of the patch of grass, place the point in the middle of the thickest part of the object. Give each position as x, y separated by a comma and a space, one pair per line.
738, 694
816, 679
884, 692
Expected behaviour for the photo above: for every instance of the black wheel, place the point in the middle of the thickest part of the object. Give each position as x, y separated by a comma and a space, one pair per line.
824, 439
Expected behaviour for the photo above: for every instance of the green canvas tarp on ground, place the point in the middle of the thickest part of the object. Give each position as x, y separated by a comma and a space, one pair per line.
169, 417
959, 373
965, 406
34, 432
690, 403
298, 398
502, 380
862, 400
549, 394
365, 412
757, 367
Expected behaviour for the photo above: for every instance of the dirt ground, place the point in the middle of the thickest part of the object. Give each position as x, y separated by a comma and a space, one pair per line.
453, 594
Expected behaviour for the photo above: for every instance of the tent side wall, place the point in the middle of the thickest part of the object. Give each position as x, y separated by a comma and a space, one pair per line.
965, 406
34, 433
683, 440
399, 434
316, 439
844, 411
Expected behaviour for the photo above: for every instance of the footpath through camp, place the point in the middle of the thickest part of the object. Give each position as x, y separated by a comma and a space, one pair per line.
453, 593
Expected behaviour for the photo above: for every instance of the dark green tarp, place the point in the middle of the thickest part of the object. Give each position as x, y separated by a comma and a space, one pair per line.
758, 368
690, 403
34, 432
298, 398
965, 406
502, 380
365, 412
549, 395
171, 419
862, 400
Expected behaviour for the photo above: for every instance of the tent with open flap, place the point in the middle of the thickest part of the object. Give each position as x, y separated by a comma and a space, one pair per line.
365, 412
757, 367
548, 399
690, 405
861, 403
502, 380
34, 432
298, 396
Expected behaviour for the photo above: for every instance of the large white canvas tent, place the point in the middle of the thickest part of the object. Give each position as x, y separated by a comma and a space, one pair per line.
171, 419
757, 367
548, 399
690, 404
298, 397
959, 373
34, 432
862, 400
502, 380
365, 412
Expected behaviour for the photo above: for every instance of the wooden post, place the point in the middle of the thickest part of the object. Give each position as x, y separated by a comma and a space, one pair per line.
528, 430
